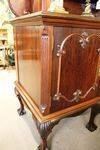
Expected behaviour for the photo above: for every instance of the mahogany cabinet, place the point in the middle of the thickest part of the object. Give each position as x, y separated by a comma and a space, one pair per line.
57, 62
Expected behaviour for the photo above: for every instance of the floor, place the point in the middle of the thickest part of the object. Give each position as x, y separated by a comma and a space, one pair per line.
20, 133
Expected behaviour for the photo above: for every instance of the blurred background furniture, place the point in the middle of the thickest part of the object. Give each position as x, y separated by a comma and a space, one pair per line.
6, 33
3, 47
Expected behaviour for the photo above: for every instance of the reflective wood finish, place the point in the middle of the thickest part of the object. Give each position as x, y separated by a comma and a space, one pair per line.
57, 55
36, 44
33, 72
79, 65
29, 56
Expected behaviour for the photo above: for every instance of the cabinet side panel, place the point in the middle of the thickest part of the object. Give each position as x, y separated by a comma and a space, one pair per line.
29, 60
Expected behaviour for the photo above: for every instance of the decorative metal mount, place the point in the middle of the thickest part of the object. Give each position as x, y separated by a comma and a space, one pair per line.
43, 108
78, 93
87, 12
99, 51
84, 40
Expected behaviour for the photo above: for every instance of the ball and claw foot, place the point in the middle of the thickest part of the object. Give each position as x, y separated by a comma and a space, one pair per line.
40, 148
21, 112
91, 127
45, 129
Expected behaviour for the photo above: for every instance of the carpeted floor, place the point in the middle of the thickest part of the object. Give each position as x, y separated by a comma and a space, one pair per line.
20, 133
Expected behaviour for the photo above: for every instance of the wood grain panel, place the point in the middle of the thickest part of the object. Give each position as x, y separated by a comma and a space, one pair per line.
73, 7
46, 71
29, 60
79, 65
36, 5
37, 38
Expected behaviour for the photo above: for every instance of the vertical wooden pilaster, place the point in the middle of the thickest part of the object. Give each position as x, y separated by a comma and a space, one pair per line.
36, 5
45, 4
40, 5
46, 60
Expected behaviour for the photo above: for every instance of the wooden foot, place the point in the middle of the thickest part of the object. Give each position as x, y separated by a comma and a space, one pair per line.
45, 129
91, 127
94, 111
21, 111
4, 67
43, 147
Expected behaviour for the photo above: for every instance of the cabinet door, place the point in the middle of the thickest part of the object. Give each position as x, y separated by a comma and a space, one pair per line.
75, 66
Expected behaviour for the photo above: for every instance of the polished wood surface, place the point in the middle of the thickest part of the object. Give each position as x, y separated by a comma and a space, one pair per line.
57, 19
37, 61
46, 49
29, 56
79, 65
57, 62
73, 7
36, 77
56, 115
36, 5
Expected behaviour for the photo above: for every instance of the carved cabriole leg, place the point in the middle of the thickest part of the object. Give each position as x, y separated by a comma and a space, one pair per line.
45, 129
94, 111
21, 110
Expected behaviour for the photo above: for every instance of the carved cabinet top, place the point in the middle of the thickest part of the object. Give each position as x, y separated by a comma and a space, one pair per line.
41, 18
